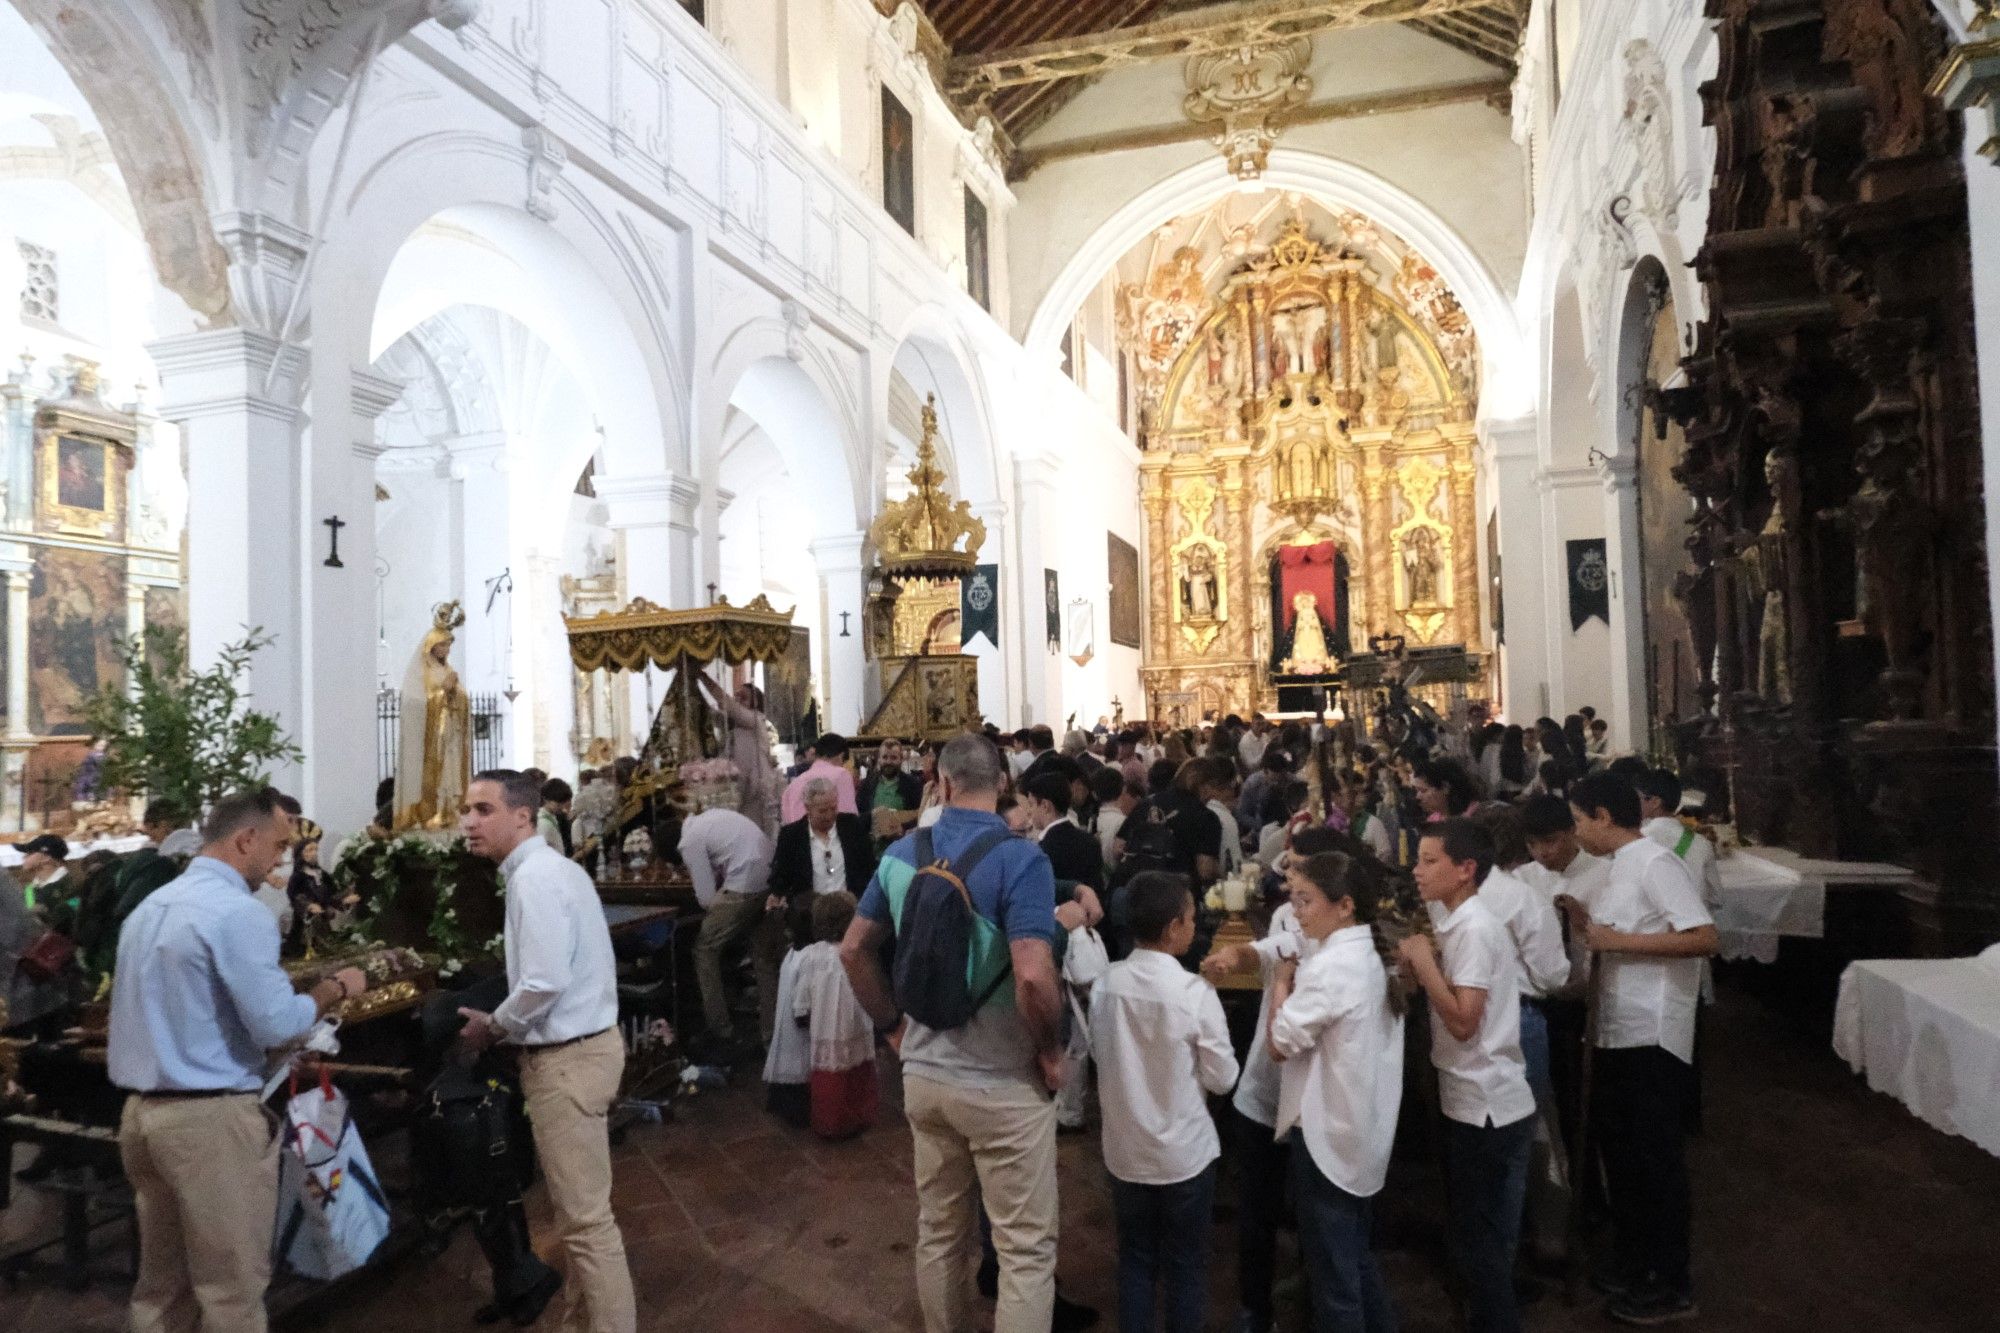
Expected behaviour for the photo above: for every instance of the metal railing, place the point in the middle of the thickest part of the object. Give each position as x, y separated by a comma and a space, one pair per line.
489, 731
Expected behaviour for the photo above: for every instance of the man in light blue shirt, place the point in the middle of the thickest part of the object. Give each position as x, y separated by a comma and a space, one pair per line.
197, 1000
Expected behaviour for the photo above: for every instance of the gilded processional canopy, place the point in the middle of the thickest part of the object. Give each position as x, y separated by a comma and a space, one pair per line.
1306, 387
643, 633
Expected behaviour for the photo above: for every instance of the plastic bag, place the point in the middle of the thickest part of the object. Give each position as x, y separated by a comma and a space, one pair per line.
332, 1213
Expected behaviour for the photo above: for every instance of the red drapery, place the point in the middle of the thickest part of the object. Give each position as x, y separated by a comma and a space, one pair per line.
1307, 569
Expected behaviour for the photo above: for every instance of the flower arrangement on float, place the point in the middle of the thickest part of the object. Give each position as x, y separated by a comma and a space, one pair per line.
712, 783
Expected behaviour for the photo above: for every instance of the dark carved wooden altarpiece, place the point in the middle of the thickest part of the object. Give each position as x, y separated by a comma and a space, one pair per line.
1837, 590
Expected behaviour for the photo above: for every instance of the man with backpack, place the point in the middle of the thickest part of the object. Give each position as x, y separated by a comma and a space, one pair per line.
972, 912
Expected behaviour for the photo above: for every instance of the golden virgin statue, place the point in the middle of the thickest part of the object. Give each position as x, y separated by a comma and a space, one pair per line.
434, 744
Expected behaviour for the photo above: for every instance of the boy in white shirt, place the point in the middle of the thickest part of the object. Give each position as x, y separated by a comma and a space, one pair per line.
1659, 819
1473, 980
1650, 930
1161, 1043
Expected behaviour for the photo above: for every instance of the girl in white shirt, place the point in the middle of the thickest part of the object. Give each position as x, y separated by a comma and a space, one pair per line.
1337, 1030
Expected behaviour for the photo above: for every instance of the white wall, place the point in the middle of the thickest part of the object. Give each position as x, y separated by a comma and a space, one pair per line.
1625, 137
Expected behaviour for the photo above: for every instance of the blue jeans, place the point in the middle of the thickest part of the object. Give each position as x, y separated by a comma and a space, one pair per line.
1535, 1050
1341, 1275
1163, 1242
1486, 1181
1262, 1164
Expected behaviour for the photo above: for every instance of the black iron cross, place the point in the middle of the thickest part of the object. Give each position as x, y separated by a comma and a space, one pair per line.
335, 524
843, 625
711, 594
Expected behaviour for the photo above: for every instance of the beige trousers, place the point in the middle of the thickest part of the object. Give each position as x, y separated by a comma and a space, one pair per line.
204, 1176
569, 1090
997, 1145
731, 917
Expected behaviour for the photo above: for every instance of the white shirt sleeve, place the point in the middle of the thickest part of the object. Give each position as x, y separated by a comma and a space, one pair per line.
541, 943
1670, 886
1475, 959
1305, 1014
1214, 1058
1538, 939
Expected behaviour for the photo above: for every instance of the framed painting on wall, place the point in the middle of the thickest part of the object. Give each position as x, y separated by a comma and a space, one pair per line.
76, 618
82, 485
978, 258
899, 163
1122, 562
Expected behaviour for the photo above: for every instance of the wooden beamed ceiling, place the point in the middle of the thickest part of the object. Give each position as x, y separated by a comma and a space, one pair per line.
1024, 59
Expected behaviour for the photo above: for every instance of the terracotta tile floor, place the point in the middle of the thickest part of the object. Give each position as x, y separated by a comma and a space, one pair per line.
1820, 1206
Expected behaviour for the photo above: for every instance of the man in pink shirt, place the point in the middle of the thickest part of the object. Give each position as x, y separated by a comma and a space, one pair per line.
828, 752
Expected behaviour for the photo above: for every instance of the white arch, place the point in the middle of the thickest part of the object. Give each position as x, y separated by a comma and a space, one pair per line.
799, 402
1507, 384
611, 327
935, 343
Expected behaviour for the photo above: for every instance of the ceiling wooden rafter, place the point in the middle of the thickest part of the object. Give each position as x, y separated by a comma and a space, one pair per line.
1022, 60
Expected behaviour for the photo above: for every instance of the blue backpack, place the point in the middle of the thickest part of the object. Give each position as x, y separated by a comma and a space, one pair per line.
944, 948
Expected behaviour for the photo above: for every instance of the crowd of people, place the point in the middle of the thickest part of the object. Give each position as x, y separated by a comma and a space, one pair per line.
1530, 865
1019, 921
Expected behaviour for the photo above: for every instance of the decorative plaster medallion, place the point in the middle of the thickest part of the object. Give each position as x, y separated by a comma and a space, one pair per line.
1242, 91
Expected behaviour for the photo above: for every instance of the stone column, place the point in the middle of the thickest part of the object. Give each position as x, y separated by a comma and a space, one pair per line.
1465, 559
1629, 706
1375, 522
1524, 555
843, 579
655, 556
1036, 481
999, 683
483, 549
653, 515
234, 394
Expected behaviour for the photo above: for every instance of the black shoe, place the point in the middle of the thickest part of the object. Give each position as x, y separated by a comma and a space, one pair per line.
1615, 1281
526, 1308
1072, 1317
1653, 1306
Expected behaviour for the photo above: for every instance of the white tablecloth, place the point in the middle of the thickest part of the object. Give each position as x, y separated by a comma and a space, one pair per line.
1770, 892
1927, 1032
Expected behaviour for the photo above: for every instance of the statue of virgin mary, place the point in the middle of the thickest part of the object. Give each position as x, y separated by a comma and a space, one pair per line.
433, 750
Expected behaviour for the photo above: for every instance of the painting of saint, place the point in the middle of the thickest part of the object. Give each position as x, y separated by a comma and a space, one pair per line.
899, 159
1122, 563
76, 614
80, 473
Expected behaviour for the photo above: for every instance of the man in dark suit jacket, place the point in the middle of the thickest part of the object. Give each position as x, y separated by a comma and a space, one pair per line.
808, 848
1073, 854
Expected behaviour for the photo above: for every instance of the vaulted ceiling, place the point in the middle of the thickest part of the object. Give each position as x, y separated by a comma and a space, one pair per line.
1023, 59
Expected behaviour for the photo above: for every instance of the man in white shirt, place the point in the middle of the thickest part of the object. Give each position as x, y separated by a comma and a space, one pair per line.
1659, 819
729, 859
1161, 1043
1650, 932
1473, 980
1250, 749
561, 1010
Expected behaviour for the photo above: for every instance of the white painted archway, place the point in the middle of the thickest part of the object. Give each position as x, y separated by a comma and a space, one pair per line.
1506, 372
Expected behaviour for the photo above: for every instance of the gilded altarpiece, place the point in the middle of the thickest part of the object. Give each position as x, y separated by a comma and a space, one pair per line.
1323, 400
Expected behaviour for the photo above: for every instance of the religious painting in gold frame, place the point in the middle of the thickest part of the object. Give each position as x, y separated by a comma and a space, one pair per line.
81, 490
